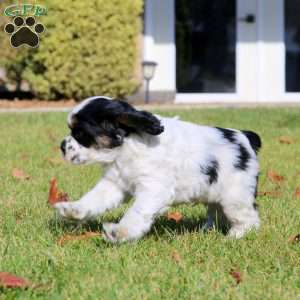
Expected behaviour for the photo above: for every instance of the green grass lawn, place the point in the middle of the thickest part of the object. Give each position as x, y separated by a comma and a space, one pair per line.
174, 261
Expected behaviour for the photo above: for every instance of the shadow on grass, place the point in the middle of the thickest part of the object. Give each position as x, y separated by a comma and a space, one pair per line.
58, 226
161, 227
186, 225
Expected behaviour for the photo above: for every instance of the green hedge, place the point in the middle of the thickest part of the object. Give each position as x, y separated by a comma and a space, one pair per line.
88, 48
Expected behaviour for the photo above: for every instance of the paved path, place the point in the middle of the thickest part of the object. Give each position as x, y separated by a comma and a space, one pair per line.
163, 107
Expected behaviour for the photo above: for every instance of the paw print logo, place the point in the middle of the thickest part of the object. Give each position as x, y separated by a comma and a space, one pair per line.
24, 32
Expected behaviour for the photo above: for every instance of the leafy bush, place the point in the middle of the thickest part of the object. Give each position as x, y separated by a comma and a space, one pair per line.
88, 48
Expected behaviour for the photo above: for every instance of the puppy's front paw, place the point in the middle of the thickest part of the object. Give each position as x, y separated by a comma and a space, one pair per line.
114, 233
72, 211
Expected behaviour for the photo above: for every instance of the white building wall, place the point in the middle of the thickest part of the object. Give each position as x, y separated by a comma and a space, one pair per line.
159, 43
260, 53
271, 51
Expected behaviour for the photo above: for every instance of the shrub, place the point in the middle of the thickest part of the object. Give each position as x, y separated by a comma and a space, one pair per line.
88, 48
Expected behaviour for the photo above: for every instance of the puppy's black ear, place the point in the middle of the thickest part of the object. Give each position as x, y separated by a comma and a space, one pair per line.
140, 120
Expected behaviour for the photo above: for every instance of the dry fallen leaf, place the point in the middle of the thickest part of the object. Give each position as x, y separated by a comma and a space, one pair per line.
297, 192
54, 195
24, 156
274, 177
269, 193
55, 161
175, 256
294, 238
84, 236
55, 149
286, 140
152, 253
19, 174
236, 275
8, 280
19, 215
52, 137
53, 192
176, 216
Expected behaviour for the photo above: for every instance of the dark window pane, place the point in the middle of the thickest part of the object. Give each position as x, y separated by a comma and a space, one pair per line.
292, 45
206, 46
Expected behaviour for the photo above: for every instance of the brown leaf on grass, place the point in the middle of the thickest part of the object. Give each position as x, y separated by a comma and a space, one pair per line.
269, 193
294, 238
175, 256
8, 280
176, 216
285, 140
152, 253
55, 161
237, 276
24, 156
274, 177
297, 192
56, 196
69, 237
56, 149
20, 174
19, 215
52, 137
53, 192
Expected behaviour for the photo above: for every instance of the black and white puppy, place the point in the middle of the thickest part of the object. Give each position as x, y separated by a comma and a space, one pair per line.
160, 162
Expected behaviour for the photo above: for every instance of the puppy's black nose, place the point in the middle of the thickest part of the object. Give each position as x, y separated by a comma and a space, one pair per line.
63, 146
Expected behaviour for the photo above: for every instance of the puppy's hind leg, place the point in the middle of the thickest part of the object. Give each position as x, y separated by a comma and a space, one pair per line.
242, 214
216, 218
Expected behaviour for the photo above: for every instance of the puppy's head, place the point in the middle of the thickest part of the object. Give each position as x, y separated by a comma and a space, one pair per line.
99, 126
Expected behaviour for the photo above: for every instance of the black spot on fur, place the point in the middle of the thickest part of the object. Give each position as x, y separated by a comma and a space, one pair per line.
211, 170
228, 134
243, 158
84, 134
121, 114
254, 140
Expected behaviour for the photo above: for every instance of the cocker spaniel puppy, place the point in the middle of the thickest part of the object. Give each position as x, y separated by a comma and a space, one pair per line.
160, 162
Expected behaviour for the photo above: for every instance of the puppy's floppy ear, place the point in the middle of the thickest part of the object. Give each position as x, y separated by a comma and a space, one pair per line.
140, 120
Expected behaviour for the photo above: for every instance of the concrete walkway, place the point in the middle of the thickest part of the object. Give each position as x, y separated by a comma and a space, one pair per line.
165, 107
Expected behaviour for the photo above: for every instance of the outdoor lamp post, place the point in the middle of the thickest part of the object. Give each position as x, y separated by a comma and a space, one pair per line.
148, 73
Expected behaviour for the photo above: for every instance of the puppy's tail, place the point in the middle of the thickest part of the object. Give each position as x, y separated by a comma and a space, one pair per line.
254, 140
